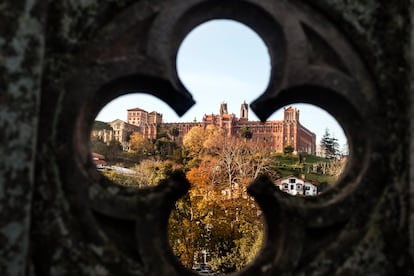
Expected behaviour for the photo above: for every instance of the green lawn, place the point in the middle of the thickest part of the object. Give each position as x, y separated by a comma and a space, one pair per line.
287, 164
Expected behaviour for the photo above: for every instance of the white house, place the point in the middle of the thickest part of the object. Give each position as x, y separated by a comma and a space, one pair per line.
309, 189
296, 186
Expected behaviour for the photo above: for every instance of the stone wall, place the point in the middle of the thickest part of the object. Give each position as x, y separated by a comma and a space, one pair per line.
411, 115
60, 217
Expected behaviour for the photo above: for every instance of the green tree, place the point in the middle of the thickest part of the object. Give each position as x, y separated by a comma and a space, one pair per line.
174, 132
246, 133
99, 125
128, 136
288, 149
164, 147
329, 145
112, 150
98, 146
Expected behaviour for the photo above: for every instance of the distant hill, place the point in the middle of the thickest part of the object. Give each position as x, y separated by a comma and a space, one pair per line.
99, 125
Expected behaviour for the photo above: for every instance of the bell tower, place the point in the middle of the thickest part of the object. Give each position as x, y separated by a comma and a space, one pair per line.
291, 114
244, 111
223, 108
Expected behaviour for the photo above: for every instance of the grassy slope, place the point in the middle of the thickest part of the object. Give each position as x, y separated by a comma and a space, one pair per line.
287, 164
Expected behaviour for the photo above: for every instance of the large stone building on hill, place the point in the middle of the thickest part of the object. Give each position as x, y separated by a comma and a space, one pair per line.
148, 122
116, 130
274, 135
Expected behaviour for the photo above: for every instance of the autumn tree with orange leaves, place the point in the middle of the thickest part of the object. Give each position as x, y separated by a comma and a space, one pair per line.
217, 215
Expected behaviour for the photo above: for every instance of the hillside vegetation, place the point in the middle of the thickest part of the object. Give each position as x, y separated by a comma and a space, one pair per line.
217, 216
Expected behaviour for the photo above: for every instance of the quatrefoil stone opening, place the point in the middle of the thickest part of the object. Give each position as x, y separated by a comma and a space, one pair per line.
311, 62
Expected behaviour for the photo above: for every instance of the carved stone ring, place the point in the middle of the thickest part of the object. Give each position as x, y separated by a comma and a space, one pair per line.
312, 62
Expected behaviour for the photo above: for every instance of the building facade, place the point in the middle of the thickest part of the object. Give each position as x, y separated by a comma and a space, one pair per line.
274, 135
147, 121
104, 135
121, 132
296, 186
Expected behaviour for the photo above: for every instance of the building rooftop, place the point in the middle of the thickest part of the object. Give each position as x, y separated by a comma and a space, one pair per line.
136, 109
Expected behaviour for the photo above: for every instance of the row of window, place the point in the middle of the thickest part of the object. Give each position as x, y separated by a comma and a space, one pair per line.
137, 114
298, 187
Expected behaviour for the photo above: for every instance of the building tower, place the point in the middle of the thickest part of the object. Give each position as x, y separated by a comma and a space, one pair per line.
244, 111
223, 108
290, 127
291, 114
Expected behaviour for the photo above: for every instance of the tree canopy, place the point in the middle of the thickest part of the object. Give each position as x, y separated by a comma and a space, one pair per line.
174, 132
288, 149
216, 216
140, 145
329, 145
110, 150
199, 140
99, 125
246, 133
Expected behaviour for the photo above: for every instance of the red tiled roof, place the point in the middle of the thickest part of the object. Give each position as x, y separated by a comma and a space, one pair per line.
97, 155
99, 162
136, 109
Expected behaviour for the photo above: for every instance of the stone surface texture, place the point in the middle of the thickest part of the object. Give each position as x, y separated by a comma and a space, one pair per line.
61, 61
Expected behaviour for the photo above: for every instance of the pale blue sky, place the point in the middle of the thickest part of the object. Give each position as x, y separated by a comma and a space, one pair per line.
221, 61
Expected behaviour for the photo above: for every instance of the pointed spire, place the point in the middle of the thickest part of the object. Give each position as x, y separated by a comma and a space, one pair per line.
244, 111
223, 108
